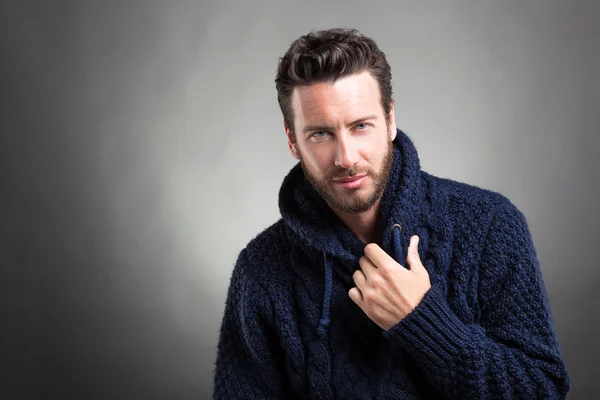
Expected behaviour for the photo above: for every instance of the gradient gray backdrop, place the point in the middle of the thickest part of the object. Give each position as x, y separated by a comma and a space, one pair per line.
142, 148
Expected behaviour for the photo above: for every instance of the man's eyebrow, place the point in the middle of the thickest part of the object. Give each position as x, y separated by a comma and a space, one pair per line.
310, 128
361, 120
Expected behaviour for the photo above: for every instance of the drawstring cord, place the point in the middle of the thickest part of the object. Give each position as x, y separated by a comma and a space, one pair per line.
396, 248
324, 323
320, 365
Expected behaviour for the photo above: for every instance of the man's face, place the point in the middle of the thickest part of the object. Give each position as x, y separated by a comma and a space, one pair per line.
343, 141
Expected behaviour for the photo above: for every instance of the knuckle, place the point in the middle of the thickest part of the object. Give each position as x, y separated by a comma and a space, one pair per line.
384, 271
377, 282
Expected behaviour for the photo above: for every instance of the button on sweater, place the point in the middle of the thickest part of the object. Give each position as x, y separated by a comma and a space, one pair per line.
484, 329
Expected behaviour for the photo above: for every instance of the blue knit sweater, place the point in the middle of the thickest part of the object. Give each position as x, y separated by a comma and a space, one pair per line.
484, 330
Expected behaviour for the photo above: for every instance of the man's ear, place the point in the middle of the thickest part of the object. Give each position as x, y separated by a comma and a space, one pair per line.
392, 121
292, 146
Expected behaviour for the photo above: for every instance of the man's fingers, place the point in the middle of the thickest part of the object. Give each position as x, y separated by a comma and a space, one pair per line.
376, 254
360, 279
367, 266
380, 258
412, 258
355, 295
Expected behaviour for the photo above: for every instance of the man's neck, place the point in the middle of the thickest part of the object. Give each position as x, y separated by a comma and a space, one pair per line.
364, 225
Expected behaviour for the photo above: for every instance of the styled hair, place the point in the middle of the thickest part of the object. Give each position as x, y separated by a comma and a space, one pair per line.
326, 56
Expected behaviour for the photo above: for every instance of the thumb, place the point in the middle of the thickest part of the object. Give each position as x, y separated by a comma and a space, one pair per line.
412, 258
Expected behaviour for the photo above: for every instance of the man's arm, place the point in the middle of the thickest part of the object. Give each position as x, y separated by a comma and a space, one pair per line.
512, 351
246, 365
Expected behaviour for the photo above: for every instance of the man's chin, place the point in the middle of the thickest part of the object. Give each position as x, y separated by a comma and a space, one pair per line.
352, 202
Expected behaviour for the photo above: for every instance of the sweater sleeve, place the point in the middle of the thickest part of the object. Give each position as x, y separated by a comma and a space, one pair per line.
512, 350
247, 364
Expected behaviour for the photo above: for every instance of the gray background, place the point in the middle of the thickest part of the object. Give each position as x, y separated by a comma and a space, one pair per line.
142, 148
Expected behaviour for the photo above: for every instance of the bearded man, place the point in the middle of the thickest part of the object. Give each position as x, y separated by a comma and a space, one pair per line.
380, 281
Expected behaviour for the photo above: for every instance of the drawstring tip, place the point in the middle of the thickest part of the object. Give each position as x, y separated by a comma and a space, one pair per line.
323, 325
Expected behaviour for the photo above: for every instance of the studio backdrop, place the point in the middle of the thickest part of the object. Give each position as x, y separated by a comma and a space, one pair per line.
143, 147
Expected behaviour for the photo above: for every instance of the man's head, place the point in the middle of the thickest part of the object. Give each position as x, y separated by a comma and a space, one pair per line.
334, 90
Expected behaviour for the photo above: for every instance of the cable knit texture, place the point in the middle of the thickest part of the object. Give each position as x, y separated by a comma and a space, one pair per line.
483, 331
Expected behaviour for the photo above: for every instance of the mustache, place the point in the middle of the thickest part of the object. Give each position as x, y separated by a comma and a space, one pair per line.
349, 172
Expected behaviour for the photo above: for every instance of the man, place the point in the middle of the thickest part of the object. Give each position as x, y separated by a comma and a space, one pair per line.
380, 281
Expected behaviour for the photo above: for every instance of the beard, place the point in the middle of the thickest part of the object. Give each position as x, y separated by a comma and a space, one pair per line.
351, 201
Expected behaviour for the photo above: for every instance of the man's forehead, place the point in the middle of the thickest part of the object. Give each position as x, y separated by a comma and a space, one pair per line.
356, 94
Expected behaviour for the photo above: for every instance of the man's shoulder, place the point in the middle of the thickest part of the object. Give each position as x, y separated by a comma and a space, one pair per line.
269, 244
467, 198
262, 258
474, 210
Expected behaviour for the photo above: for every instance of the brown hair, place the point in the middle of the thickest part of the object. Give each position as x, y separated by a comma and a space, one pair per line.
326, 56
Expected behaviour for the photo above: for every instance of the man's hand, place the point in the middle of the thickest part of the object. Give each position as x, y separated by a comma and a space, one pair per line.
386, 291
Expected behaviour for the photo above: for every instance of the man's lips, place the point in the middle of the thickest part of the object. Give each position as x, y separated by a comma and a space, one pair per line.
351, 182
349, 179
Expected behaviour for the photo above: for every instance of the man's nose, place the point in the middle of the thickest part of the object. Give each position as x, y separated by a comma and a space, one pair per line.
346, 153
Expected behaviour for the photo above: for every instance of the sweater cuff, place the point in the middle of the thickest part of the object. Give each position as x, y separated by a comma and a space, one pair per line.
432, 333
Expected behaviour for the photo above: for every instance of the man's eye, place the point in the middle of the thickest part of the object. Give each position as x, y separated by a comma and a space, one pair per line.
362, 126
319, 134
